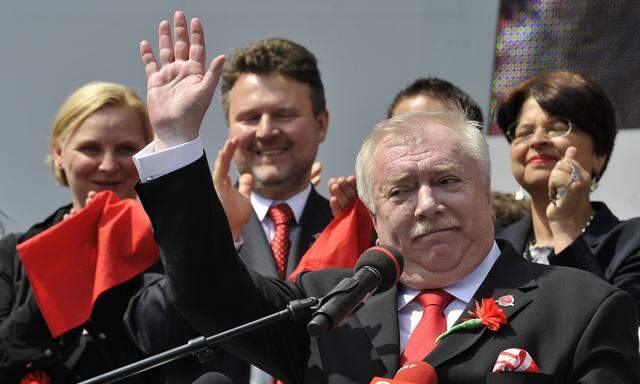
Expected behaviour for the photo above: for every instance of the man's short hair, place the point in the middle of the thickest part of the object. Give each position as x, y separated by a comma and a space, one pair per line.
402, 131
439, 89
274, 55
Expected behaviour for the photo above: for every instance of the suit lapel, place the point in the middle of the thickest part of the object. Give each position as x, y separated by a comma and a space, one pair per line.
518, 233
508, 277
379, 318
603, 221
255, 251
316, 215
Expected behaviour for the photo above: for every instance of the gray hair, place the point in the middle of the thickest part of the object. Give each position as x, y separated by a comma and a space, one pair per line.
405, 129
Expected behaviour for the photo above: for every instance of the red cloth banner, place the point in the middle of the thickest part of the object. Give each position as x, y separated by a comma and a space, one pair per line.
69, 265
341, 242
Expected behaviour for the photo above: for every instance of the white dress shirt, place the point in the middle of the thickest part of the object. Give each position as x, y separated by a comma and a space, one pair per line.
410, 311
261, 208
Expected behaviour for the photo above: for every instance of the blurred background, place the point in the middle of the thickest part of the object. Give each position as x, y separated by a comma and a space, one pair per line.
367, 50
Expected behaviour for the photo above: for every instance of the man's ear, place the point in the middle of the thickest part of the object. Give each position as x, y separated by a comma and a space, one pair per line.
323, 123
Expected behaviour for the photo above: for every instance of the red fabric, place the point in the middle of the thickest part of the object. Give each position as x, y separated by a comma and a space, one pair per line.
35, 377
423, 338
341, 242
282, 217
70, 264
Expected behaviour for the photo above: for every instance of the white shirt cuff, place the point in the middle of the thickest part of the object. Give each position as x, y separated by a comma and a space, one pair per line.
151, 164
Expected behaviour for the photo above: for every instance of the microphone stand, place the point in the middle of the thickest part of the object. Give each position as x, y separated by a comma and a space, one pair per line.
199, 345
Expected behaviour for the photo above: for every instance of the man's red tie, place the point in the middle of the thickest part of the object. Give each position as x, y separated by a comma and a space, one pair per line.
282, 217
433, 323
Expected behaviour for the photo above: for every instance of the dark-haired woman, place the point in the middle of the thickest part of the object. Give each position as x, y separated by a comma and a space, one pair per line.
561, 128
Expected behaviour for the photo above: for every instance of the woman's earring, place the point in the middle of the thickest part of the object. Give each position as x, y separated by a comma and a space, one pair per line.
519, 194
594, 181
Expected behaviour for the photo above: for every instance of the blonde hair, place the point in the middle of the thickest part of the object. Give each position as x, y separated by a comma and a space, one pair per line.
86, 101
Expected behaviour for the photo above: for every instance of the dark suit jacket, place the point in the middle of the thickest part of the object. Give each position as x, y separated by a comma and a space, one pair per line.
256, 251
609, 248
577, 327
97, 346
156, 325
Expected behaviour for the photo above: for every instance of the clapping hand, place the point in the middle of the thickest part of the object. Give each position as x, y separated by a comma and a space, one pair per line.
236, 203
179, 90
343, 192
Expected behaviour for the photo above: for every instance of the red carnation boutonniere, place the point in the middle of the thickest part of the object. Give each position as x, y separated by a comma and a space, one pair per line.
487, 313
35, 377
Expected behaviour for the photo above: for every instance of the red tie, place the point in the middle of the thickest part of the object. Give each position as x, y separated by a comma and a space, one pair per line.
433, 323
282, 216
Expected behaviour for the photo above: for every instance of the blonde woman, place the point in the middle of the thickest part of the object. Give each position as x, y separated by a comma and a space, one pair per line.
95, 133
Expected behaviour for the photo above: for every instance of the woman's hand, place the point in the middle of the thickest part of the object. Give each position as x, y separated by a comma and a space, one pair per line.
568, 190
90, 196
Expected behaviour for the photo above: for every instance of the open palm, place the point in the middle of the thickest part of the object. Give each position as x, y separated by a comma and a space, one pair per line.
180, 92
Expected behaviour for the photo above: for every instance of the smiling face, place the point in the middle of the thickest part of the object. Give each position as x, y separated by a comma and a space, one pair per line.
279, 134
432, 203
97, 156
533, 159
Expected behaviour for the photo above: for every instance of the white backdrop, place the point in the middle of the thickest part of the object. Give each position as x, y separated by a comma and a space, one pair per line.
367, 51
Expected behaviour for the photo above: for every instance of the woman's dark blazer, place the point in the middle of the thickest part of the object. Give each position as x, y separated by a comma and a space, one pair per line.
608, 248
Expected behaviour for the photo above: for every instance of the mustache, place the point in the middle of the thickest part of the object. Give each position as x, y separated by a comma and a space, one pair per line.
265, 144
425, 227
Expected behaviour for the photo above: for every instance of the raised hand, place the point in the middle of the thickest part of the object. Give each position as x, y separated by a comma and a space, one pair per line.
180, 92
236, 203
343, 192
316, 173
568, 186
568, 190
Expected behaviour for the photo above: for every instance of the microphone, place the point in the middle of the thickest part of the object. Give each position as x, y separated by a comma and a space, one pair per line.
413, 372
377, 270
213, 378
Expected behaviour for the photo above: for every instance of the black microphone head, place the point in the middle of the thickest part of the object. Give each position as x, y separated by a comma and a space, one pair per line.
385, 259
213, 378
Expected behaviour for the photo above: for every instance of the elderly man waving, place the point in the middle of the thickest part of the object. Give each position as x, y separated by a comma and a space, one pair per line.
425, 179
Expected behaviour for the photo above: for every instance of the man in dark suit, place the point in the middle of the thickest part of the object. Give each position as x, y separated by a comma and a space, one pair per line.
426, 180
274, 104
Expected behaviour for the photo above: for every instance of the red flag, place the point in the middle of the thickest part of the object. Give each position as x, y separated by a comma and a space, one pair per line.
341, 242
70, 264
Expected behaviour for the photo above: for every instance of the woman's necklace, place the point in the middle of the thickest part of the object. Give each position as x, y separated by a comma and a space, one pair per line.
540, 254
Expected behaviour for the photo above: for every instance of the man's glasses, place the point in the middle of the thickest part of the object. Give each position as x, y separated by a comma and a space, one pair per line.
554, 127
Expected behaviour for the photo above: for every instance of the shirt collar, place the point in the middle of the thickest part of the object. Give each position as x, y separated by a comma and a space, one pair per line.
464, 289
296, 203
